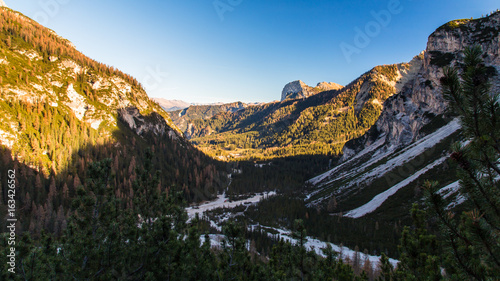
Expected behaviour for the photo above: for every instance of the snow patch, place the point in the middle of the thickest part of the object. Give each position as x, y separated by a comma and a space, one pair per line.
370, 148
449, 190
316, 245
358, 173
378, 200
223, 202
458, 200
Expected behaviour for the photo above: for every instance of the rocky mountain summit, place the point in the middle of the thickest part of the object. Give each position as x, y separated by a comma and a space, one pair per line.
300, 90
327, 86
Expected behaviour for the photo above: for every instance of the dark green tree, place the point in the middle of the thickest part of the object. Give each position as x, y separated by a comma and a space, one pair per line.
472, 240
281, 260
386, 269
235, 262
93, 245
419, 258
300, 252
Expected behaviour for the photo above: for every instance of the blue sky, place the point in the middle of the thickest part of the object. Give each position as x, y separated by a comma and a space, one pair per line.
246, 50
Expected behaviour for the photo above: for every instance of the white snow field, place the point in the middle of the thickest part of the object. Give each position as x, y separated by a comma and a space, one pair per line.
358, 172
379, 199
223, 202
312, 243
316, 245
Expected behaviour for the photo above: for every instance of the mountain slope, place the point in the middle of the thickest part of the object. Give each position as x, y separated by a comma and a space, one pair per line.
183, 118
317, 125
365, 197
382, 170
60, 110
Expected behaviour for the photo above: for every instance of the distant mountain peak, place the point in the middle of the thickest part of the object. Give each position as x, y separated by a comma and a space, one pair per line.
171, 105
298, 89
327, 86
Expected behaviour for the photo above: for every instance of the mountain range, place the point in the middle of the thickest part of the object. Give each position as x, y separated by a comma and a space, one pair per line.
386, 133
349, 160
171, 105
410, 140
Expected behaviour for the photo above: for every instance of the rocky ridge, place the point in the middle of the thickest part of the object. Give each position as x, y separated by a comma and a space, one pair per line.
419, 99
183, 118
300, 90
410, 141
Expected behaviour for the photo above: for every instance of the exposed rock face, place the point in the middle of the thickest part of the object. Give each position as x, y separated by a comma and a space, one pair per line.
419, 97
2, 4
77, 102
299, 90
140, 123
296, 89
328, 86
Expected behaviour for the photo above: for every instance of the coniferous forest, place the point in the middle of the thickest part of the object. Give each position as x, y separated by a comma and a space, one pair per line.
96, 180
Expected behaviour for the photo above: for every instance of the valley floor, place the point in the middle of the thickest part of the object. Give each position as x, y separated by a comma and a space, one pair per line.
312, 244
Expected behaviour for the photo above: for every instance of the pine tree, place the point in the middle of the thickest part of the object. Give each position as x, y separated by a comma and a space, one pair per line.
234, 259
386, 269
472, 239
92, 244
300, 234
419, 251
155, 249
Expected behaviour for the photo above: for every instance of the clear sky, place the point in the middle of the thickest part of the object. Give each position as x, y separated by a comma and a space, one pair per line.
246, 50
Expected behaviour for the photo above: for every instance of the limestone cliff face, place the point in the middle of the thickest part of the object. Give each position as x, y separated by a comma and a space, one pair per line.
419, 96
300, 90
295, 90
